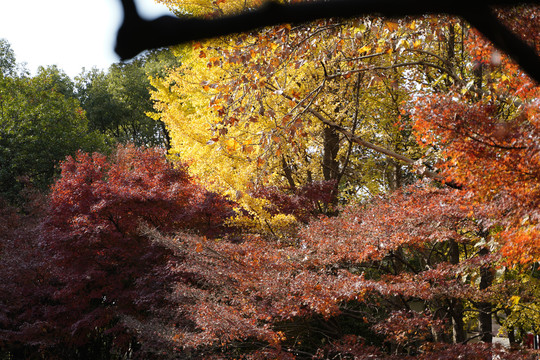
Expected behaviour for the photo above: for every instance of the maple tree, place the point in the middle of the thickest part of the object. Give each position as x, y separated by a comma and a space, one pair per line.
397, 275
102, 268
488, 136
25, 288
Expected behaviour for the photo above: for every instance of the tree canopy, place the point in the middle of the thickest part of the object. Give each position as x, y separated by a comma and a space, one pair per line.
117, 101
41, 122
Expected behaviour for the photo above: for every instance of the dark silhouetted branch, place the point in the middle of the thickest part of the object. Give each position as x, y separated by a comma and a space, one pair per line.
136, 34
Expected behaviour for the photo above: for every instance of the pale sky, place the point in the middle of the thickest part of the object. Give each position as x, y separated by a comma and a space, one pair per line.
71, 34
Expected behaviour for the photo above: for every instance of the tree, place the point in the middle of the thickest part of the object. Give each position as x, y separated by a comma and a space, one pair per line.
294, 97
488, 136
8, 63
40, 123
96, 269
98, 209
26, 286
395, 276
476, 113
287, 106
117, 102
138, 255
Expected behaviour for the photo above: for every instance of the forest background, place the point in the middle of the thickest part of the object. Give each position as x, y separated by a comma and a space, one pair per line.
342, 189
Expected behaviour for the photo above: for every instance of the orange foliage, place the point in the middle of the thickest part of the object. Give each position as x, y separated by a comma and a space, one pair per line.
492, 147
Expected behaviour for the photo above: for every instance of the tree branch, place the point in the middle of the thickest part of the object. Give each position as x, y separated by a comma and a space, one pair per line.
136, 34
394, 66
358, 140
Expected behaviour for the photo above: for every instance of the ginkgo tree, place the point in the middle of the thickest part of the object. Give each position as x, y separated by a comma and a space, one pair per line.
286, 106
321, 101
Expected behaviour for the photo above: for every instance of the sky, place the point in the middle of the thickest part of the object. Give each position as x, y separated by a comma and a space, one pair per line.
72, 34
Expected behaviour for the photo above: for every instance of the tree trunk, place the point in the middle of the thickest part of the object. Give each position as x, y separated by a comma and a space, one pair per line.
288, 173
166, 136
330, 164
511, 336
484, 308
330, 148
394, 176
456, 305
451, 43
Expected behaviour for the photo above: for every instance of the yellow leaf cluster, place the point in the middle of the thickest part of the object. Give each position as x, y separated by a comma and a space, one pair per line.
240, 109
209, 7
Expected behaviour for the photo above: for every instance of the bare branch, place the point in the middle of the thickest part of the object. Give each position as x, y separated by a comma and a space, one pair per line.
358, 140
393, 66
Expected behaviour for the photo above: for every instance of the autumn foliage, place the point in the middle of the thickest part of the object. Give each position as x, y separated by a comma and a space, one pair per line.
489, 142
335, 279
336, 190
101, 265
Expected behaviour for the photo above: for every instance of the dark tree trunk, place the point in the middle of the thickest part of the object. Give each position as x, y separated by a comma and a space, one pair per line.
331, 148
456, 305
451, 43
288, 173
485, 308
166, 136
394, 175
330, 164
